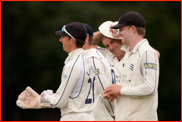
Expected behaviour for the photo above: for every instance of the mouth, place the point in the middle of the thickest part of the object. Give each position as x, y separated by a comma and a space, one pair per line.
114, 50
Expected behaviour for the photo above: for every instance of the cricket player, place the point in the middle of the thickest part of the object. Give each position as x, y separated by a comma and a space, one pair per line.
115, 50
137, 94
104, 76
75, 95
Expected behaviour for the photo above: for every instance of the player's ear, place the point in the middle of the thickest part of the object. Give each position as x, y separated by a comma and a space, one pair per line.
133, 28
87, 39
73, 40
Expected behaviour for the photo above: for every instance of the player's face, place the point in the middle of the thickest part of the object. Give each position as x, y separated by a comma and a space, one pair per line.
125, 33
66, 43
113, 45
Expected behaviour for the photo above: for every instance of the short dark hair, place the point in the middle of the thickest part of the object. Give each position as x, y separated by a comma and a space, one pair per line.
140, 30
80, 43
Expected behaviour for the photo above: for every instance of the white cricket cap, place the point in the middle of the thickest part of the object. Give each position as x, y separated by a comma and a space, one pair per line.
105, 29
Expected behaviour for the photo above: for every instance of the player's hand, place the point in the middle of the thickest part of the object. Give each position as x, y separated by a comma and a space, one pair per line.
113, 89
111, 98
28, 99
46, 96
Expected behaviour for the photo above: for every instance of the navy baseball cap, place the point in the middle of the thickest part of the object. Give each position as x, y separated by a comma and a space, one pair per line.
74, 29
89, 29
130, 18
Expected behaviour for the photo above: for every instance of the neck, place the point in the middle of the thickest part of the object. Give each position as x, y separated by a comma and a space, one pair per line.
73, 48
121, 56
86, 47
135, 40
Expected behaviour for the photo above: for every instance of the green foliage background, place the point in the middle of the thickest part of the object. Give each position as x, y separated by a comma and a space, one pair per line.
31, 54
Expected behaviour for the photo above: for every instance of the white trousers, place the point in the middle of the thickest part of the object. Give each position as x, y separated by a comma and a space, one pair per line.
77, 117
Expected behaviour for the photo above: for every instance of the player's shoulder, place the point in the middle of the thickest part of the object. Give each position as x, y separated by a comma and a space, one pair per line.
101, 48
104, 51
92, 53
145, 46
100, 56
74, 60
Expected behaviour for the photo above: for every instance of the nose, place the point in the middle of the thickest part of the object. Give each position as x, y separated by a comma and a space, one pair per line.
61, 39
111, 46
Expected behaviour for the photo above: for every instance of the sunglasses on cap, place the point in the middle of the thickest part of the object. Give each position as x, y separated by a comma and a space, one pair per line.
64, 30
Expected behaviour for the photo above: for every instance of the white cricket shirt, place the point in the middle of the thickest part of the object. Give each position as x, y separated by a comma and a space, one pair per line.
74, 94
117, 65
104, 76
140, 75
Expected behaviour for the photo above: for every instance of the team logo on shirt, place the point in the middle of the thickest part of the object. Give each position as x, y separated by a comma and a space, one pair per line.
90, 70
65, 76
97, 71
150, 66
131, 66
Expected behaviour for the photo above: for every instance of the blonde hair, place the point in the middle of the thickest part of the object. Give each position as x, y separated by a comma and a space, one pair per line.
141, 31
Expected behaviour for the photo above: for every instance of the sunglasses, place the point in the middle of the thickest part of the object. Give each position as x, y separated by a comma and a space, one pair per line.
64, 30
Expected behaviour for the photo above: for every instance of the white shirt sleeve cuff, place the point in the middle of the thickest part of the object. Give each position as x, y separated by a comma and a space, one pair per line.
123, 91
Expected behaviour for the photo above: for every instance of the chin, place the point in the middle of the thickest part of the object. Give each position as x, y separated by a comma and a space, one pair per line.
117, 54
114, 54
65, 50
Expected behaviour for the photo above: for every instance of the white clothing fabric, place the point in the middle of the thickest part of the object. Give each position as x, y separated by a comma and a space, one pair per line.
74, 94
117, 65
78, 117
139, 95
104, 76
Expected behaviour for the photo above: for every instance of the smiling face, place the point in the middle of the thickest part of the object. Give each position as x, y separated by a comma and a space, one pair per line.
113, 45
66, 41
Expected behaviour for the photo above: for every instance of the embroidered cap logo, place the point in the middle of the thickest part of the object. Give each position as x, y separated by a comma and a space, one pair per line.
114, 32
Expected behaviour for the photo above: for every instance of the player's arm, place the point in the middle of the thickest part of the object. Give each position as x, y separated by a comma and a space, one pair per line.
97, 36
69, 77
158, 54
68, 80
30, 99
150, 71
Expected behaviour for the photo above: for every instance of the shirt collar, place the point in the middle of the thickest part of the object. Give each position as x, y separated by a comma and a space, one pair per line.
73, 54
124, 47
138, 45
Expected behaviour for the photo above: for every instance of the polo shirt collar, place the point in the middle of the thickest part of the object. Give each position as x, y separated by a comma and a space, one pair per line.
138, 45
73, 54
